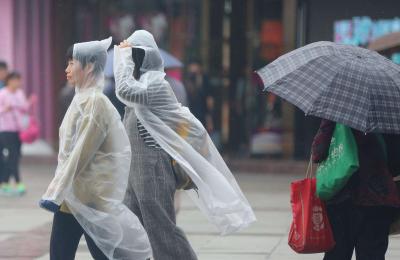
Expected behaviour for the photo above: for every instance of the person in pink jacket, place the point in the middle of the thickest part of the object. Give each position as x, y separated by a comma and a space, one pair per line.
13, 107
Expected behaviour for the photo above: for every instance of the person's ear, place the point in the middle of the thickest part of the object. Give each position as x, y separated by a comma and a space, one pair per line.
89, 68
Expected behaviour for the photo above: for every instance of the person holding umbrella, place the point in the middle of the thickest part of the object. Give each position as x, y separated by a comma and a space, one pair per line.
362, 212
361, 90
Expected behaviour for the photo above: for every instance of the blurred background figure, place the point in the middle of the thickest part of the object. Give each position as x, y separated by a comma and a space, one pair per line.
13, 110
178, 88
65, 98
109, 87
201, 99
197, 86
172, 67
3, 73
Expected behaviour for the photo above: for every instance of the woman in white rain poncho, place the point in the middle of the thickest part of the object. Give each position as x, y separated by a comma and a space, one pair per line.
169, 127
92, 172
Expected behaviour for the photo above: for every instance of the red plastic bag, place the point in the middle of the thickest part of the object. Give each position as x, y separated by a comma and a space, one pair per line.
31, 132
29, 128
310, 231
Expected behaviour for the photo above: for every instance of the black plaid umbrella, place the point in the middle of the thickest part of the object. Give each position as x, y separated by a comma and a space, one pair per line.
346, 84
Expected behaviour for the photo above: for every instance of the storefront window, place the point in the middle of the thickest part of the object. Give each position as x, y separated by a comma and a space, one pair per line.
362, 30
265, 109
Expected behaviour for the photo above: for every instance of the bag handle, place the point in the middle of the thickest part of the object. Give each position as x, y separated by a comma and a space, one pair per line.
309, 171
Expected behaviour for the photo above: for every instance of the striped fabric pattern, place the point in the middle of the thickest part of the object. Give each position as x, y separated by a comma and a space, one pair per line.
153, 95
150, 195
147, 138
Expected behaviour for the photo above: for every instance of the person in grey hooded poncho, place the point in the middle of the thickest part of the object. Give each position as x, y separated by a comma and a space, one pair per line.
90, 182
161, 130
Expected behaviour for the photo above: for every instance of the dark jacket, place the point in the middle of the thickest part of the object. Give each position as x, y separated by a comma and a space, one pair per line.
372, 184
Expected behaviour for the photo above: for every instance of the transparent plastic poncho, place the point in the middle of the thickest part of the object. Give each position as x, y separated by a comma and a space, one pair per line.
94, 160
181, 135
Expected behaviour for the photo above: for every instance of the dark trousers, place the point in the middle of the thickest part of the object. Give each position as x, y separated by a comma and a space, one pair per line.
10, 154
65, 237
363, 229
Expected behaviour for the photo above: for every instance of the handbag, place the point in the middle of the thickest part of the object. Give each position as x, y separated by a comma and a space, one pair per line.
310, 231
342, 162
183, 180
31, 132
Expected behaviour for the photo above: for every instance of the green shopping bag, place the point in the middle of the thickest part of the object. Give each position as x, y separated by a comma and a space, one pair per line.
342, 162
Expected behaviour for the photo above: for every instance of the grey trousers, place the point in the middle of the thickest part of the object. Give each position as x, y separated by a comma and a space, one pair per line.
150, 195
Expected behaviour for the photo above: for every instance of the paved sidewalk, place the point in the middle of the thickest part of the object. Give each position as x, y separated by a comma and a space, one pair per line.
24, 228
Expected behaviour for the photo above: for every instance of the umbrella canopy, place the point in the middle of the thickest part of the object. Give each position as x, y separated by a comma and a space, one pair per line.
346, 84
169, 60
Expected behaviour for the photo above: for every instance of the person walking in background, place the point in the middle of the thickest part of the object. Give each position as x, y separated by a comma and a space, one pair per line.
178, 88
198, 89
3, 73
201, 99
362, 212
13, 108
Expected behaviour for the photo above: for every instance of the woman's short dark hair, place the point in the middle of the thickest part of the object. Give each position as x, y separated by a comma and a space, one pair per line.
137, 57
12, 75
70, 53
99, 60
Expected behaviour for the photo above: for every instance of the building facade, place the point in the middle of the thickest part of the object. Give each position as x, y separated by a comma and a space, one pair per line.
27, 46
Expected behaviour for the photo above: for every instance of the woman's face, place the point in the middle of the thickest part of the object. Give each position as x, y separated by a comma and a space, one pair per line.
74, 72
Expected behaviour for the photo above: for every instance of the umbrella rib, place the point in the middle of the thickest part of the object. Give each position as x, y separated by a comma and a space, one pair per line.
267, 68
337, 72
281, 81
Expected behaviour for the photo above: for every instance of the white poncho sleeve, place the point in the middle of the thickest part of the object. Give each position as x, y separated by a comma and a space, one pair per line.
128, 89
